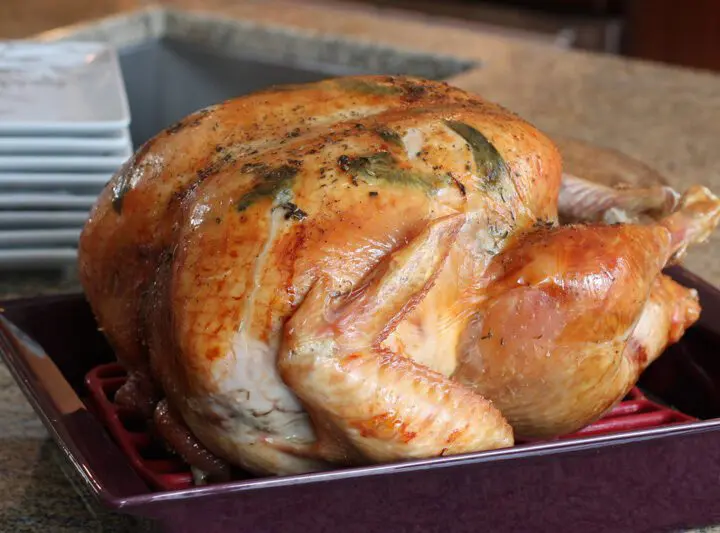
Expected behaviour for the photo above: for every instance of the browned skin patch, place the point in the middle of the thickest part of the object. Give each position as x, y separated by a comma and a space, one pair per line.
381, 425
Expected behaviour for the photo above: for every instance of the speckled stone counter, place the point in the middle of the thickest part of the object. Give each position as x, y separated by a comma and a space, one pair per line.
666, 117
34, 493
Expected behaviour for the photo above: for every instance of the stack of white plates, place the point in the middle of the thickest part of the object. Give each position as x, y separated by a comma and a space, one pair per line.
64, 121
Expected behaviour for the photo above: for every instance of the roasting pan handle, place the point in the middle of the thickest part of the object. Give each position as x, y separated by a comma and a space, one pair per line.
81, 438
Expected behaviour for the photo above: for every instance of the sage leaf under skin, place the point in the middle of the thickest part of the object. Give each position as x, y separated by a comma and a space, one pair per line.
382, 166
490, 164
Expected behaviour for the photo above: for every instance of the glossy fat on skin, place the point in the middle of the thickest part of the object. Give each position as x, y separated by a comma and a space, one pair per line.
206, 287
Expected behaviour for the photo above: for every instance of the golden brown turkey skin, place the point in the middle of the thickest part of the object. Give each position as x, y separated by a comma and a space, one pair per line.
301, 272
558, 341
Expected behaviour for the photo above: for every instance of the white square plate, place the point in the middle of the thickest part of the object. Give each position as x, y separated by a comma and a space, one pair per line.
42, 219
60, 87
47, 181
19, 200
43, 237
59, 163
114, 143
40, 258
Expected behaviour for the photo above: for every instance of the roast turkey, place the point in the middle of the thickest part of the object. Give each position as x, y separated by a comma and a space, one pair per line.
371, 269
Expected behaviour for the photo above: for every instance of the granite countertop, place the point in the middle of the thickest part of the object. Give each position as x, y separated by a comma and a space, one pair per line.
666, 117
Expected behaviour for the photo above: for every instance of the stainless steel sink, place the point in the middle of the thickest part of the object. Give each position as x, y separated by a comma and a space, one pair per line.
168, 79
175, 62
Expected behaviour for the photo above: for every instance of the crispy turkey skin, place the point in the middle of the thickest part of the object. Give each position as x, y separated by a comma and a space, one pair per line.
371, 269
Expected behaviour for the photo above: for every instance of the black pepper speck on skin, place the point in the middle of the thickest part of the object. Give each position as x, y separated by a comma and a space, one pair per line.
344, 163
172, 130
414, 91
293, 211
459, 185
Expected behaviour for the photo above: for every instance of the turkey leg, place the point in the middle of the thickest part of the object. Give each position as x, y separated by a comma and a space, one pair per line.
575, 313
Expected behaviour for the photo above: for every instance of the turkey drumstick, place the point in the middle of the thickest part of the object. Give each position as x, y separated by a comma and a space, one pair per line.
576, 313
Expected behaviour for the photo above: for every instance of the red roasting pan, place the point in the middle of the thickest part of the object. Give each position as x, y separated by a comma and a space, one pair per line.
651, 464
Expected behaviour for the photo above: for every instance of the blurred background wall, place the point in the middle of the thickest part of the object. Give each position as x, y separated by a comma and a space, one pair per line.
679, 32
